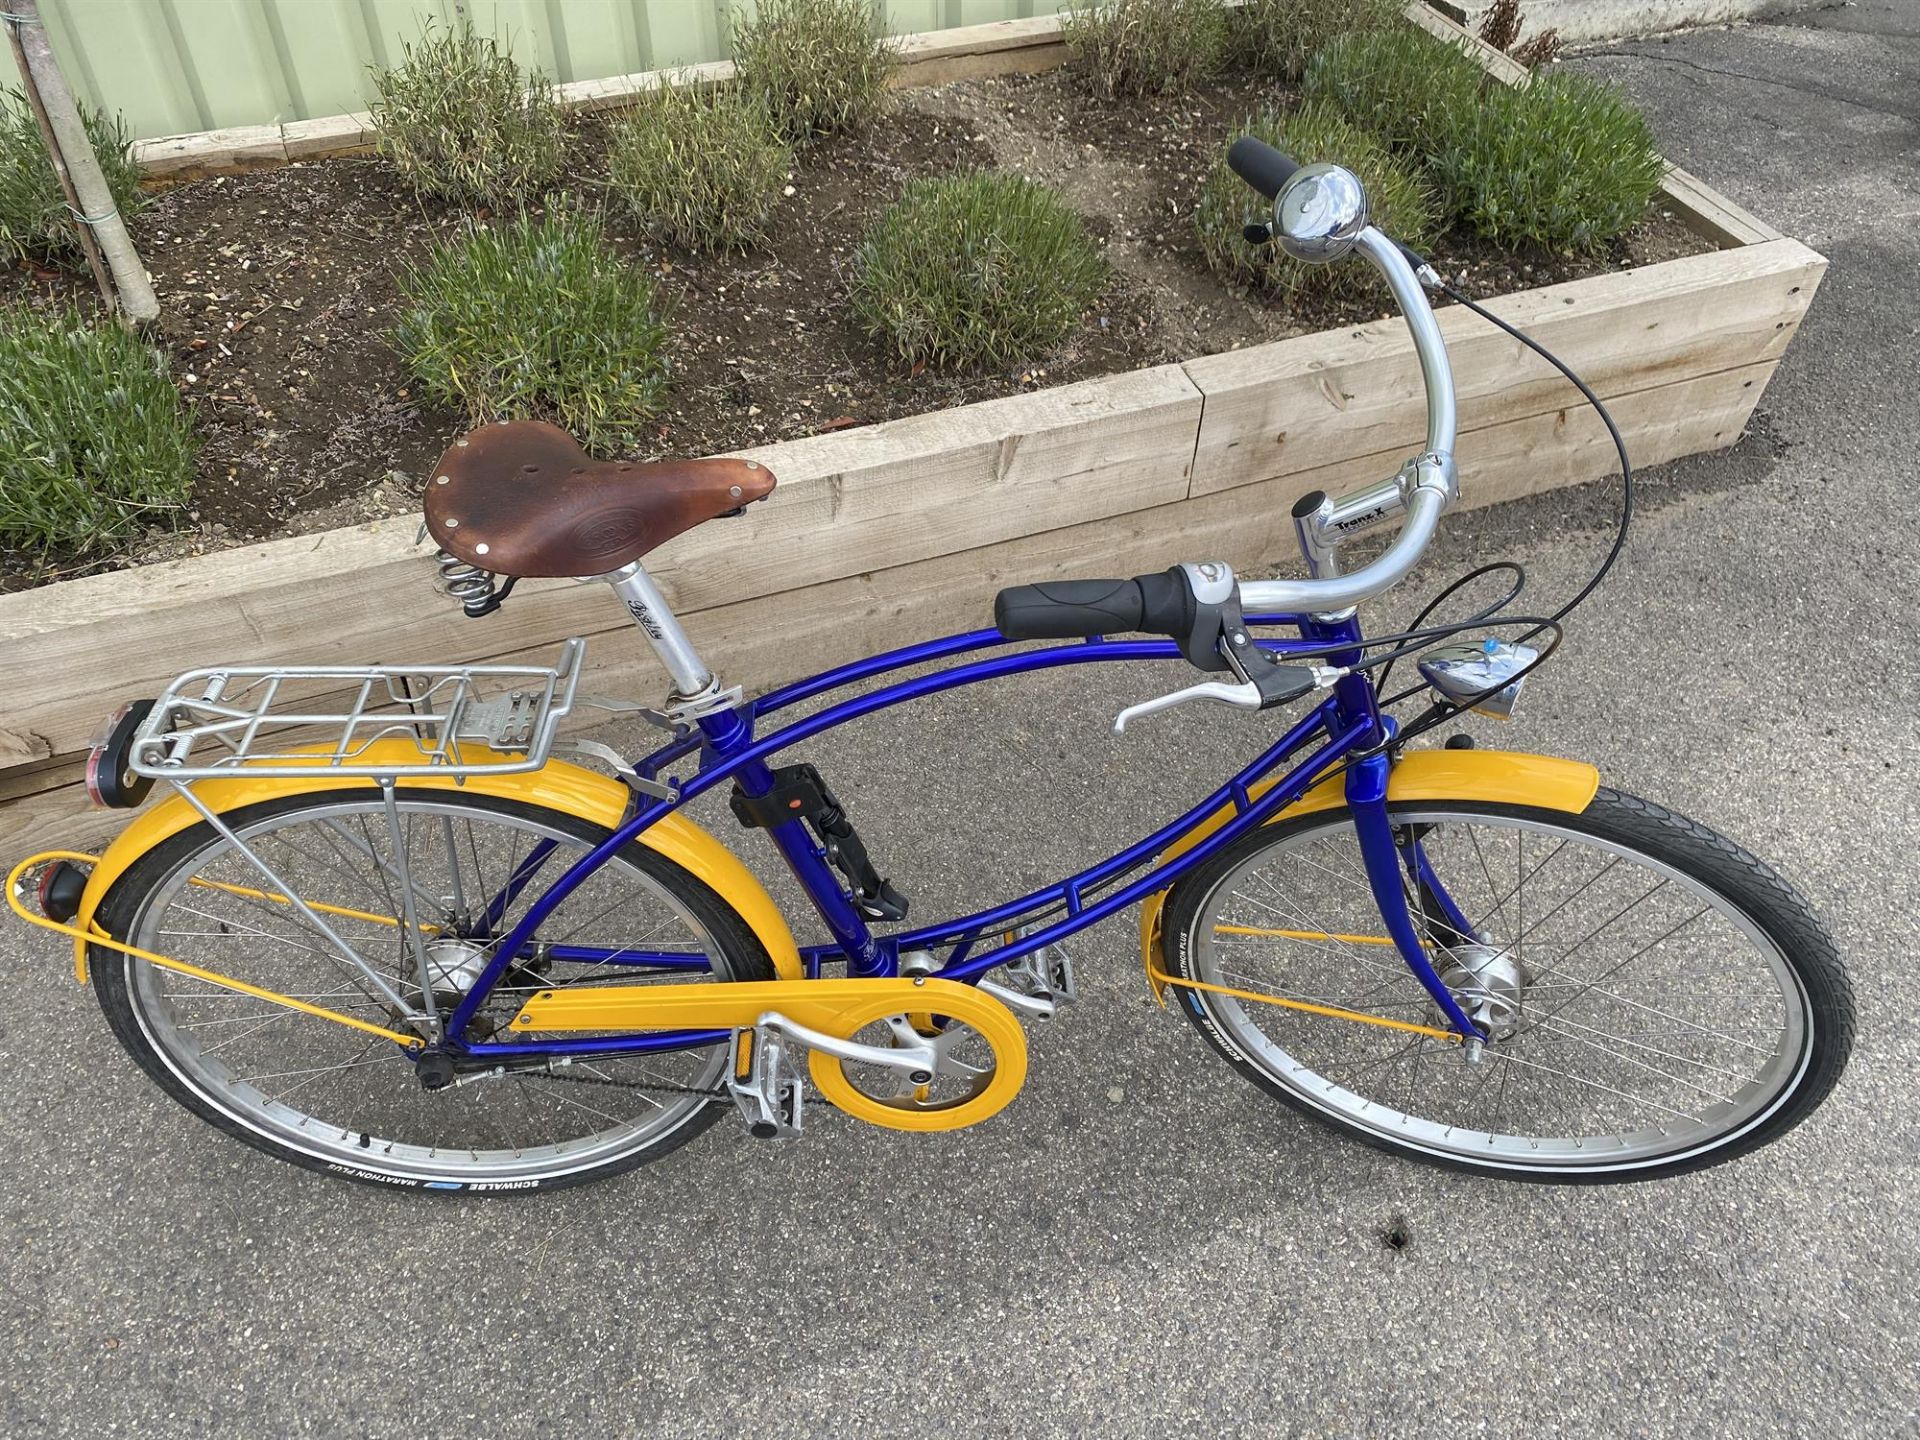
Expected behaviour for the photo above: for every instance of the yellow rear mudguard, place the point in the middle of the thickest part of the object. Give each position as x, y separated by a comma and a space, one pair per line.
556, 786
1501, 777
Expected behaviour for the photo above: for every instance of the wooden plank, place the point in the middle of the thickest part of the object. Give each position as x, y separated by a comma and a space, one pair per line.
950, 480
1705, 211
41, 773
990, 38
999, 47
61, 819
887, 495
614, 91
329, 135
22, 747
1495, 62
210, 152
1293, 405
944, 70
1002, 47
771, 639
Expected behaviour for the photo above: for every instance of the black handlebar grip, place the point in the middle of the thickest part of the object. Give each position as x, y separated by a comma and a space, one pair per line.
1068, 609
1260, 165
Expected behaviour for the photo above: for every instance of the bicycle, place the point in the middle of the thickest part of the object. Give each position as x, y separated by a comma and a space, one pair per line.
426, 953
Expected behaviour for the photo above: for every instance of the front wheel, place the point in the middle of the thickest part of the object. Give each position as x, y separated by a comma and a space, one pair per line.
1659, 1000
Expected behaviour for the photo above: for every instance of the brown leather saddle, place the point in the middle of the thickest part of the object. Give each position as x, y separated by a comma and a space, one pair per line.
521, 498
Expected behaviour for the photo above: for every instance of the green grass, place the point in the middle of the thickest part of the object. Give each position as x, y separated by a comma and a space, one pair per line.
1407, 89
537, 318
698, 169
34, 223
1565, 163
975, 270
1278, 37
93, 438
819, 66
1124, 48
1400, 200
462, 122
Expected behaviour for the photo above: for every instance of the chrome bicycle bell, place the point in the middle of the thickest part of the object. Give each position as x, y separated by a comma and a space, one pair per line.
1474, 668
1319, 213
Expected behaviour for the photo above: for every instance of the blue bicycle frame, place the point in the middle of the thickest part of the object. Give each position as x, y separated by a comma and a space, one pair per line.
1347, 730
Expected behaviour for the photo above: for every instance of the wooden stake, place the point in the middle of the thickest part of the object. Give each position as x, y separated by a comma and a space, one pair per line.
103, 233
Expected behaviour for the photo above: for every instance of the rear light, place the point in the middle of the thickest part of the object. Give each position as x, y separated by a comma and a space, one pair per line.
61, 886
111, 783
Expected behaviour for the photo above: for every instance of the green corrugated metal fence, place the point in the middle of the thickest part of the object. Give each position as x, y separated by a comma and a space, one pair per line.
171, 66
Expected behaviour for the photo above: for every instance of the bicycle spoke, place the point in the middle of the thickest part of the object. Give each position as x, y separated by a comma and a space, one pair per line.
284, 1071
1626, 1030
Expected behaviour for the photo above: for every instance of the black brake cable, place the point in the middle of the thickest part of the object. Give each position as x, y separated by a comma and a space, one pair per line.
1443, 711
1479, 617
1613, 432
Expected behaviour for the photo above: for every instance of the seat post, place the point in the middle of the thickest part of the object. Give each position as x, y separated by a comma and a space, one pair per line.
658, 623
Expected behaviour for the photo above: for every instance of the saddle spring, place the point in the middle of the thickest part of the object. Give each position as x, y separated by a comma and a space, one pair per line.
477, 590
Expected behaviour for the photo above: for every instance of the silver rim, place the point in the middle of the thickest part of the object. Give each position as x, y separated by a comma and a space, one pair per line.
353, 1100
1655, 1020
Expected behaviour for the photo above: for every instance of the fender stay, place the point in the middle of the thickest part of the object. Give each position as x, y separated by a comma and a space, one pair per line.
560, 786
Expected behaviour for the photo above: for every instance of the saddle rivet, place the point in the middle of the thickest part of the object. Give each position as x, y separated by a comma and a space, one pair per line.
453, 524
480, 549
461, 443
442, 479
733, 491
753, 464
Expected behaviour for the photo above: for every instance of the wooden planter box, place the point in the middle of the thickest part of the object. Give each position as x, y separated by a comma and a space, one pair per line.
903, 531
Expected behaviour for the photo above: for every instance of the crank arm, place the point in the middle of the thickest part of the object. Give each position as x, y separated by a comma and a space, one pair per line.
915, 1062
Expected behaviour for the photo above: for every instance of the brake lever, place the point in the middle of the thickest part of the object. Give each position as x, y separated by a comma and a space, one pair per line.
1277, 686
1244, 696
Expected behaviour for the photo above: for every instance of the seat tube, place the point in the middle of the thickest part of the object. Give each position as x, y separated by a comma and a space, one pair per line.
727, 734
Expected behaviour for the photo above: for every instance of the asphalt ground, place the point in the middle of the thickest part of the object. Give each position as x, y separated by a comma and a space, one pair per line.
1142, 1244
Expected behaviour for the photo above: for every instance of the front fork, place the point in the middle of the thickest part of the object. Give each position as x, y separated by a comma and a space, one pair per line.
1387, 866
1387, 876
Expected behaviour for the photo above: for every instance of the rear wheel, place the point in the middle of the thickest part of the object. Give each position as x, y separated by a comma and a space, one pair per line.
348, 1103
1659, 999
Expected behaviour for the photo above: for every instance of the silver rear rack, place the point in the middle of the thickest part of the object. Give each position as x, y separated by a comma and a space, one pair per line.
370, 722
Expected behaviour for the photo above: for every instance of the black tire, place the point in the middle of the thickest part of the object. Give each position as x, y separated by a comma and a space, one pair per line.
112, 972
1755, 890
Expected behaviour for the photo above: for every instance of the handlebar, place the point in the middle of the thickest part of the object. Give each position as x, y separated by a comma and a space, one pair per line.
1320, 214
1260, 165
1428, 484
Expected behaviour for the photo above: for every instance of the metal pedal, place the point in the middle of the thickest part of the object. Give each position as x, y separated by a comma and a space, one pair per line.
1035, 986
765, 1081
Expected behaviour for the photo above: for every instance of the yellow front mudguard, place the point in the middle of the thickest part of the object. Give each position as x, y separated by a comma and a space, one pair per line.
555, 786
1500, 777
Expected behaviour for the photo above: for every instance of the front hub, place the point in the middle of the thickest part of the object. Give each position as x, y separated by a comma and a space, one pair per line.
1489, 983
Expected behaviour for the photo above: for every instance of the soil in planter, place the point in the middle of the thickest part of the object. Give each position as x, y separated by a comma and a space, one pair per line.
277, 288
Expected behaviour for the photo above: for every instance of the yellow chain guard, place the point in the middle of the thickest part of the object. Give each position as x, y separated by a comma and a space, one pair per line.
840, 1008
